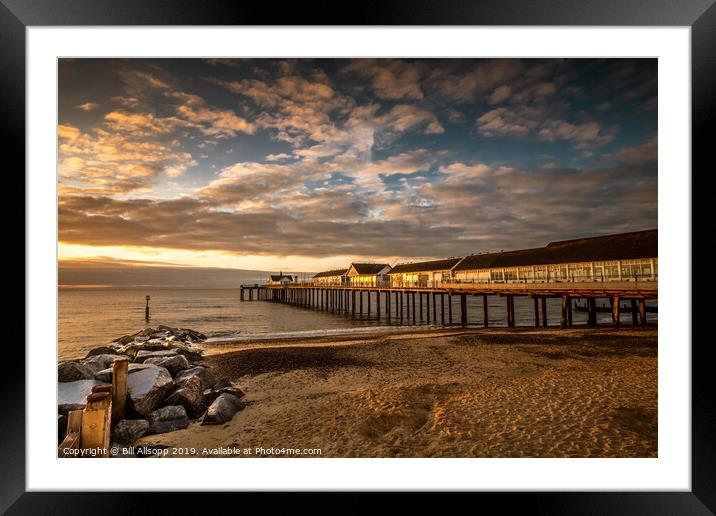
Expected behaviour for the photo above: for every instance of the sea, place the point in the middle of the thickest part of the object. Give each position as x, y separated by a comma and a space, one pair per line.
89, 317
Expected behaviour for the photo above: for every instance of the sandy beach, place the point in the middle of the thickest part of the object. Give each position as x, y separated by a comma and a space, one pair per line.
475, 393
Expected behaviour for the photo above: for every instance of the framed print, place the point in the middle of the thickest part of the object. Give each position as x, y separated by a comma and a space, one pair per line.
415, 250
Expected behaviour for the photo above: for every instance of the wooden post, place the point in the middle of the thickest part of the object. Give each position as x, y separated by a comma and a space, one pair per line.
435, 308
563, 316
96, 419
387, 304
634, 313
591, 312
420, 302
642, 312
377, 304
569, 311
74, 430
241, 295
368, 292
510, 311
463, 309
146, 311
615, 310
400, 296
449, 309
412, 297
119, 388
536, 303
427, 307
544, 312
360, 295
485, 318
442, 309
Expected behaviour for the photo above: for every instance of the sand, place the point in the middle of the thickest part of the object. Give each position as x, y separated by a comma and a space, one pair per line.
477, 393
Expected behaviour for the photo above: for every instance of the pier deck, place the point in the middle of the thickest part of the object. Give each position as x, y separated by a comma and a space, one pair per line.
352, 298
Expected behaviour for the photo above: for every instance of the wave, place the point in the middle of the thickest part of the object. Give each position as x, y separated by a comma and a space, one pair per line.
242, 335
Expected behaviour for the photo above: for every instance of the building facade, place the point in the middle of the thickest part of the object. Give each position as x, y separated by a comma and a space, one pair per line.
623, 257
369, 275
336, 278
431, 274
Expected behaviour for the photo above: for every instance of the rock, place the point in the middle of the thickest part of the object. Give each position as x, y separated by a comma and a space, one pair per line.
167, 419
190, 396
61, 427
103, 350
148, 387
201, 372
73, 371
105, 375
174, 364
223, 386
98, 362
222, 409
143, 354
73, 395
129, 430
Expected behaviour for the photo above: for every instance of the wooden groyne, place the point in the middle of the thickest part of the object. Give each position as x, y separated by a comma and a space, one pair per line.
413, 305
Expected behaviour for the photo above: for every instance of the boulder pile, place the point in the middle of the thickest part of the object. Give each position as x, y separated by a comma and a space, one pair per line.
166, 384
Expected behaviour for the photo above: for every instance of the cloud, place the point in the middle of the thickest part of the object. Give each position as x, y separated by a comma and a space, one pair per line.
278, 157
390, 78
463, 86
220, 123
644, 153
87, 106
119, 161
501, 93
528, 120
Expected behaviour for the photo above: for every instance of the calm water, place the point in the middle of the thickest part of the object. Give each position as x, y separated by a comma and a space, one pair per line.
91, 317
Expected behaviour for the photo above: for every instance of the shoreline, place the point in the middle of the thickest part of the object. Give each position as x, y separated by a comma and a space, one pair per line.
348, 338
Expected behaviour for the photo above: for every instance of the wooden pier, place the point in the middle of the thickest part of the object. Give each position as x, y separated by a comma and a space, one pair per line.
432, 302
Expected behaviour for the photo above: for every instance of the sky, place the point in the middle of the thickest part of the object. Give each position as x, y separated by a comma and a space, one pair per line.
309, 164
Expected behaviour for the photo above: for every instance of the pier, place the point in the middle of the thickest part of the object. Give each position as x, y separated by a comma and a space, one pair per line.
616, 268
435, 305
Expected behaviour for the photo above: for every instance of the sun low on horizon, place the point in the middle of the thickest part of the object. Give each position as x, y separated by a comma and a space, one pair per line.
307, 164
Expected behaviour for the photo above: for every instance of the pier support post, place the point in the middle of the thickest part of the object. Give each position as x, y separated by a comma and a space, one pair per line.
400, 303
634, 313
569, 311
544, 312
387, 304
486, 320
535, 300
642, 312
368, 292
463, 309
510, 311
412, 297
377, 304
442, 309
427, 307
615, 310
360, 307
241, 295
435, 308
420, 300
591, 312
449, 296
563, 316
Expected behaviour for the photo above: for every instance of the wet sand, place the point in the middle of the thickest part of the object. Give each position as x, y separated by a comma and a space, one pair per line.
476, 393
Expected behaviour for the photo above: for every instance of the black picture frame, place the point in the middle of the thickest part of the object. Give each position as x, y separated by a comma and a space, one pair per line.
700, 15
